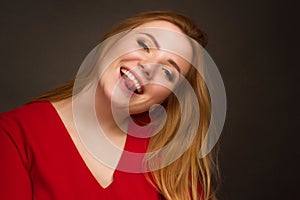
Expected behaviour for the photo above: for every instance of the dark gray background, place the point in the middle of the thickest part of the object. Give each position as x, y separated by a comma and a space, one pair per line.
252, 42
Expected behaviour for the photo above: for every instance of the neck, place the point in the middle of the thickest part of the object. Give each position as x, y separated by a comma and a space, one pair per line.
105, 116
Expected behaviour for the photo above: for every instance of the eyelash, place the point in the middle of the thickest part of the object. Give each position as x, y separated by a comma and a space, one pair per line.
142, 44
168, 74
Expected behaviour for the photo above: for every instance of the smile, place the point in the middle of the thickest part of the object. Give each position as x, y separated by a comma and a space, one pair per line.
131, 81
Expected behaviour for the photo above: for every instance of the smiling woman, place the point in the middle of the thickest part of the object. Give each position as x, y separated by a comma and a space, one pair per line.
128, 126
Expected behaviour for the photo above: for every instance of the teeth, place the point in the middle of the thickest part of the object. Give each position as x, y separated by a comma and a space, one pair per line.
132, 77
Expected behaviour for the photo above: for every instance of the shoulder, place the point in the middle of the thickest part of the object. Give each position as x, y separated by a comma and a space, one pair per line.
19, 127
26, 114
27, 121
26, 110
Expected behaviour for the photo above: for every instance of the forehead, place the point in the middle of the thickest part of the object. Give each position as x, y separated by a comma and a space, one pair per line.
161, 24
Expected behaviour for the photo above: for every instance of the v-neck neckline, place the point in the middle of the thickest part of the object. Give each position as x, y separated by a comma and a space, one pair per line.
76, 152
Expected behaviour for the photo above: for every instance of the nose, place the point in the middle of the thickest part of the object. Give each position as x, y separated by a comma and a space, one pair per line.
148, 70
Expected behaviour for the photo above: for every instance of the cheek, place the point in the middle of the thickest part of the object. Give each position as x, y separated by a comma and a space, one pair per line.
159, 94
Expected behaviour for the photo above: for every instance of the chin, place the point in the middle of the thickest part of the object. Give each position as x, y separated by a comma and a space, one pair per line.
136, 111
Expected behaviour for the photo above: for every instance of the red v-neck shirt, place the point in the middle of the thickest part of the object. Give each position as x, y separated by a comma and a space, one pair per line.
38, 160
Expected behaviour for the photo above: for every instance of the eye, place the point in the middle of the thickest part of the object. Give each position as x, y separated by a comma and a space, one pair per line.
168, 74
142, 44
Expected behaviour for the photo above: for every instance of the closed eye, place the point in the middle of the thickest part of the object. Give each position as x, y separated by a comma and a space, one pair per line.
142, 44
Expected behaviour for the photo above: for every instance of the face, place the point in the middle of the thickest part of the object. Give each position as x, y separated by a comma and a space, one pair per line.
149, 69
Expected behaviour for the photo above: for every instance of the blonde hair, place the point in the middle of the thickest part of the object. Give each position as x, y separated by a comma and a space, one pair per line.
180, 180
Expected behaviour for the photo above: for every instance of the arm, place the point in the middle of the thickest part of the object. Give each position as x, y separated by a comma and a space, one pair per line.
15, 182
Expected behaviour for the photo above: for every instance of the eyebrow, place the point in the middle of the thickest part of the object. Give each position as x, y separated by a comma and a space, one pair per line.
153, 39
172, 62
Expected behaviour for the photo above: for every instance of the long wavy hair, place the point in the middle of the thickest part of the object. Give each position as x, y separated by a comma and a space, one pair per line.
188, 177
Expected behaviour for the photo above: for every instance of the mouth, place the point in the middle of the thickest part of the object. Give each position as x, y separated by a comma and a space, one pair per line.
131, 81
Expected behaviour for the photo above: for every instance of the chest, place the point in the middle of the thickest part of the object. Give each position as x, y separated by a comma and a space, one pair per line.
61, 171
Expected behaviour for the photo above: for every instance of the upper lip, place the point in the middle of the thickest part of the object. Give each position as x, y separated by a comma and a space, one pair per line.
134, 77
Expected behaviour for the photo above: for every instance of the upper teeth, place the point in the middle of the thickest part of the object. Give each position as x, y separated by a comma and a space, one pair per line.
132, 77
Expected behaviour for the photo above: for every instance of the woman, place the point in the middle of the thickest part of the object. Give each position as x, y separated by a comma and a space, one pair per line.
47, 147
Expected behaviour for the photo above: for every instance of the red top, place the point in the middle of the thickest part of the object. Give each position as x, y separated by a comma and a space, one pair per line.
38, 160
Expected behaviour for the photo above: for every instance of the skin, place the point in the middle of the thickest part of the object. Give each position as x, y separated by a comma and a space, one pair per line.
156, 88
